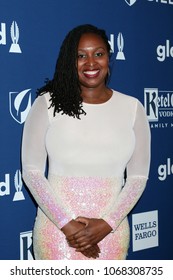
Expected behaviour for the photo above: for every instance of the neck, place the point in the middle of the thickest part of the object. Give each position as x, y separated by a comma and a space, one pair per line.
96, 95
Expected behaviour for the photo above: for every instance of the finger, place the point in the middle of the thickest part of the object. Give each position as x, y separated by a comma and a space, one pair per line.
71, 243
81, 249
82, 220
90, 254
86, 254
80, 242
96, 248
82, 239
79, 245
94, 252
86, 244
77, 235
73, 236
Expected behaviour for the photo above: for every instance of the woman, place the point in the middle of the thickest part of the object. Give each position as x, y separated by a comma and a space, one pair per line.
91, 134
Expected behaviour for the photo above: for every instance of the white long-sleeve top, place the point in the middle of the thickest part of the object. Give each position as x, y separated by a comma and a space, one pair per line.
87, 159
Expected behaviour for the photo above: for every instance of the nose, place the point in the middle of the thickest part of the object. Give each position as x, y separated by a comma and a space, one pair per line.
91, 60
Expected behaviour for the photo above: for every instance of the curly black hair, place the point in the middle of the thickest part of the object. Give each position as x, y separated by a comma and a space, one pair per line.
64, 88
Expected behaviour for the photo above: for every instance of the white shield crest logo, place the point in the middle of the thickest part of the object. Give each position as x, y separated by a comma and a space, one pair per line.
130, 2
20, 104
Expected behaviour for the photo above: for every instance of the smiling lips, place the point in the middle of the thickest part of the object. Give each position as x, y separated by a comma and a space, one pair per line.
91, 73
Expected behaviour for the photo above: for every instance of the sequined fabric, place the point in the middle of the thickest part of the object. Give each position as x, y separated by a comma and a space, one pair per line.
50, 243
86, 196
128, 197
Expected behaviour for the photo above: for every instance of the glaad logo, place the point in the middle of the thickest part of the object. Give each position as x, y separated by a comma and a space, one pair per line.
145, 230
163, 1
3, 34
111, 42
170, 2
158, 105
164, 51
18, 186
120, 44
15, 48
5, 186
14, 31
26, 251
16, 102
165, 170
130, 2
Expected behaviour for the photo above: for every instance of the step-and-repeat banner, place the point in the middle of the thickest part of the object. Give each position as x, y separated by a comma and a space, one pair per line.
141, 36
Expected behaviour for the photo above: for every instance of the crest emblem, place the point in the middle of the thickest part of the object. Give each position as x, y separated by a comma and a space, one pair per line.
130, 2
18, 100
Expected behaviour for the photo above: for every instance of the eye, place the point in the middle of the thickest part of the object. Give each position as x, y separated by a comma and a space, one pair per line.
81, 55
99, 54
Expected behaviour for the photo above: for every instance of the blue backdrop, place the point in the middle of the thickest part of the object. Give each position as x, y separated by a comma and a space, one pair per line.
141, 38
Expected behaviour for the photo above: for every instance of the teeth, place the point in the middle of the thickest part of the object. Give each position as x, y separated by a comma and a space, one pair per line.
93, 72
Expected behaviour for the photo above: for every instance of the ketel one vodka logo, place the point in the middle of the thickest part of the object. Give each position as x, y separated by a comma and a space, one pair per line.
18, 186
158, 104
26, 249
20, 104
130, 2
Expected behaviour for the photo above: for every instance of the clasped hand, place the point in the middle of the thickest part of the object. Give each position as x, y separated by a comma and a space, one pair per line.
92, 233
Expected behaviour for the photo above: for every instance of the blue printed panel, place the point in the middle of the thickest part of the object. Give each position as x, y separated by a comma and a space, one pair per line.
140, 35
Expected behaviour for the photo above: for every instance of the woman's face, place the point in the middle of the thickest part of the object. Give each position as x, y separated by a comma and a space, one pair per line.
93, 61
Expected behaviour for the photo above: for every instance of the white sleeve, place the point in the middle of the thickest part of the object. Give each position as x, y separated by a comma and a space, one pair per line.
137, 171
34, 157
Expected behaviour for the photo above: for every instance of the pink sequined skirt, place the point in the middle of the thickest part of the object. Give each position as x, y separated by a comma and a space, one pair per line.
81, 196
